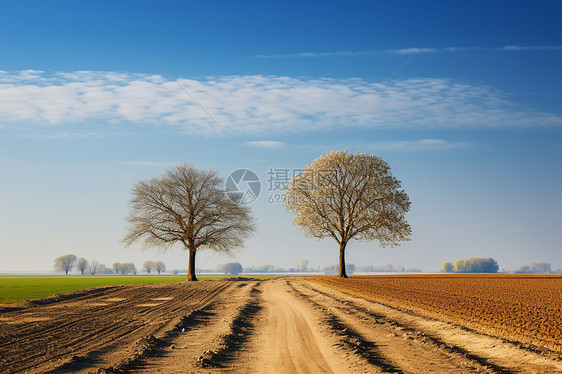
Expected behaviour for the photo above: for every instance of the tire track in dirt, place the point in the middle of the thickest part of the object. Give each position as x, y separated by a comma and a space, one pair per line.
287, 339
492, 353
78, 321
387, 344
212, 341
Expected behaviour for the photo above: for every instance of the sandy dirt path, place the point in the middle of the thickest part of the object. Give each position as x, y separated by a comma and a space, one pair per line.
289, 340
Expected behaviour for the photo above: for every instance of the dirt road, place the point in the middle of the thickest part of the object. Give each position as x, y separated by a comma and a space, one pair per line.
285, 325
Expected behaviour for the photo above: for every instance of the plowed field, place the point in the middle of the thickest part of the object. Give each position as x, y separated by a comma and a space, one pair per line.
283, 325
518, 307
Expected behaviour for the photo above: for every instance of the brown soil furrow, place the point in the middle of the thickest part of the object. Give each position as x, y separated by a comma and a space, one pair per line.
77, 331
87, 320
208, 342
402, 350
521, 308
163, 330
456, 353
497, 354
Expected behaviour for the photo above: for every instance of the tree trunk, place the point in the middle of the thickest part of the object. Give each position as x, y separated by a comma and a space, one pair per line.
191, 265
342, 273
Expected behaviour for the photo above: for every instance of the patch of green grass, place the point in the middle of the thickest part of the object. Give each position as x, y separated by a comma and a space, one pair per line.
15, 288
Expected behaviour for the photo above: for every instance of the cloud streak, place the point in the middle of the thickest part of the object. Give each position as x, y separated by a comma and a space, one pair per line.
421, 145
91, 102
412, 51
267, 144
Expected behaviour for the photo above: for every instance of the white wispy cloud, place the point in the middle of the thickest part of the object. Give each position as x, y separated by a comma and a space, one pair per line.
268, 144
44, 133
411, 51
90, 102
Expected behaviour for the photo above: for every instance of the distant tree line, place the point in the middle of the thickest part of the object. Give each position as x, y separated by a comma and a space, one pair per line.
535, 267
66, 263
471, 265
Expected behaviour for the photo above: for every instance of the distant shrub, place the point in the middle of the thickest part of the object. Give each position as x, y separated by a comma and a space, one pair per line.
447, 267
232, 268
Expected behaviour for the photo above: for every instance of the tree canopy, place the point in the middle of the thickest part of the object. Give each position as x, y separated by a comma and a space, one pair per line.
447, 267
349, 196
65, 263
187, 206
476, 265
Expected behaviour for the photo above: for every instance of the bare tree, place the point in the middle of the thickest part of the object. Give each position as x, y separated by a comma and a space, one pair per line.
82, 265
349, 196
65, 263
93, 267
102, 269
148, 266
116, 267
132, 268
187, 206
159, 266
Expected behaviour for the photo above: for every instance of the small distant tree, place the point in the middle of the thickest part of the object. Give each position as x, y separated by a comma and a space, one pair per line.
148, 266
102, 269
93, 267
447, 267
159, 266
132, 268
82, 265
116, 267
190, 207
123, 268
459, 266
524, 269
232, 268
65, 263
347, 196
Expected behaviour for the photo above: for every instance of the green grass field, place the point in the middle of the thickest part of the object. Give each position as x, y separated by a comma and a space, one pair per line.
15, 288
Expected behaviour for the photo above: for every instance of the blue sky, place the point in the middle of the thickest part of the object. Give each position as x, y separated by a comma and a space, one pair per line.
461, 98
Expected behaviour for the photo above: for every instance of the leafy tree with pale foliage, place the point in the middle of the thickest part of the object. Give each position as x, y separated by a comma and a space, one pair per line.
349, 196
65, 263
447, 267
479, 265
82, 265
187, 206
459, 266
